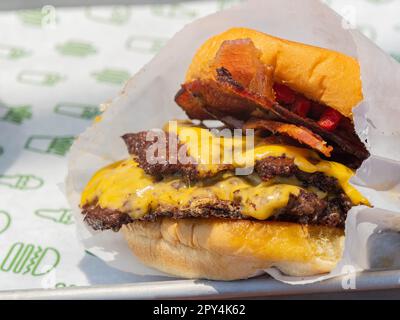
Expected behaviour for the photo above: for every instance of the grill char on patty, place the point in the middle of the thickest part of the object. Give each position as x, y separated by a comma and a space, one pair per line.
306, 208
267, 168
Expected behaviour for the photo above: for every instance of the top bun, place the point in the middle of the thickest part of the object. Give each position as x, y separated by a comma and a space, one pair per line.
322, 75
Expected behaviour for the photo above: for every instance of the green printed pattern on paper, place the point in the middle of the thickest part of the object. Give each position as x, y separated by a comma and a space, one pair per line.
46, 16
39, 78
12, 52
63, 216
396, 56
31, 17
21, 181
145, 44
77, 110
116, 15
26, 258
5, 221
380, 1
177, 11
224, 4
76, 48
16, 114
49, 144
111, 76
60, 285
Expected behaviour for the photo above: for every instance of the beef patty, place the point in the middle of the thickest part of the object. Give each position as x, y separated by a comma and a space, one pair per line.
267, 168
306, 208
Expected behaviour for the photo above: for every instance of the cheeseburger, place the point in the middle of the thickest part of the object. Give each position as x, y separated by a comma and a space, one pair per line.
191, 208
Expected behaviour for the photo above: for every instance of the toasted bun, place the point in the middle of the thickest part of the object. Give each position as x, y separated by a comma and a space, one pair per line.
321, 75
230, 250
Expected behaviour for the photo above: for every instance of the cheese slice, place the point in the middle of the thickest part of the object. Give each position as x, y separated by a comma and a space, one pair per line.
125, 187
210, 149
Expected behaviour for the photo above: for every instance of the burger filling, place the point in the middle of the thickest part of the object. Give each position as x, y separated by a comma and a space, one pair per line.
243, 89
282, 183
292, 171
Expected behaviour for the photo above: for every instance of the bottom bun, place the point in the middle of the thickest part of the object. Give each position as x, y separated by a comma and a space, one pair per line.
230, 250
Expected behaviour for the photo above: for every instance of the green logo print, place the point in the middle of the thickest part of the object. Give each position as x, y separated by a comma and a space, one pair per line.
5, 221
380, 1
21, 181
46, 16
12, 53
396, 56
178, 11
31, 17
63, 285
26, 258
145, 44
15, 114
112, 76
39, 78
49, 144
63, 216
77, 110
76, 48
116, 15
224, 4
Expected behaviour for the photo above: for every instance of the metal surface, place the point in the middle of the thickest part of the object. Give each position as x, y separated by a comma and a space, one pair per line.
189, 289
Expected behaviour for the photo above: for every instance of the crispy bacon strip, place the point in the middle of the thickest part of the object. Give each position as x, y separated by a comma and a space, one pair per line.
192, 106
222, 97
301, 134
242, 85
241, 81
239, 62
349, 143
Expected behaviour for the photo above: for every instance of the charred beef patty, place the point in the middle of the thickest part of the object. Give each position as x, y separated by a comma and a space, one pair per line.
267, 168
138, 146
306, 208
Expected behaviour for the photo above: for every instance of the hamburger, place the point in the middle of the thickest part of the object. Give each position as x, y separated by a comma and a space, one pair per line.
190, 208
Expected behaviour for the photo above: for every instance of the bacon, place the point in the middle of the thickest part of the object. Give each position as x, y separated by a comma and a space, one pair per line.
349, 143
192, 106
230, 121
241, 61
301, 134
223, 97
284, 94
240, 83
224, 102
243, 86
330, 120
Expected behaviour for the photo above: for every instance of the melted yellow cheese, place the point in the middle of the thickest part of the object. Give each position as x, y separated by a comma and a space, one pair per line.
124, 186
209, 150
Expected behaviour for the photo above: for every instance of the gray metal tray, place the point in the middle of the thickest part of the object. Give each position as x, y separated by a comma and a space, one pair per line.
263, 287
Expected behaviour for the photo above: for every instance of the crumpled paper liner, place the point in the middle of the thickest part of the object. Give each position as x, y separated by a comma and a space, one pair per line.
147, 102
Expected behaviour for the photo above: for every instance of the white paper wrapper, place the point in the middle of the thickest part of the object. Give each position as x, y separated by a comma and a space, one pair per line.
147, 102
